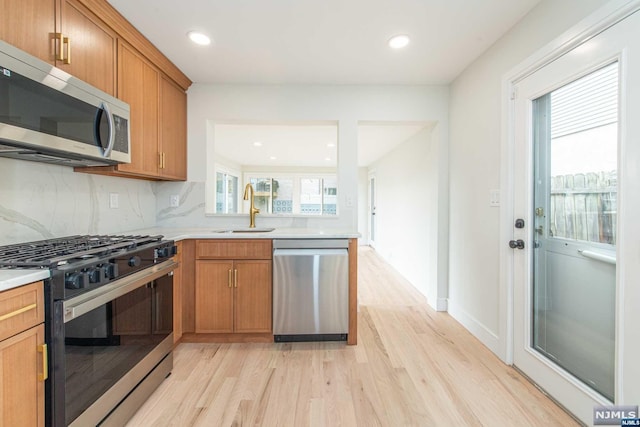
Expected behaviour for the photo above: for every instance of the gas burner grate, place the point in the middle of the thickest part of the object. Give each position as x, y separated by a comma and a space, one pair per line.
53, 252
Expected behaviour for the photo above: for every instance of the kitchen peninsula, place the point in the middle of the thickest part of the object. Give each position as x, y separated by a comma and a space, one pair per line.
236, 244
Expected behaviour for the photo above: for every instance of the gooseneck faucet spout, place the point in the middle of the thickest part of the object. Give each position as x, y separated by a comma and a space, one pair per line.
248, 195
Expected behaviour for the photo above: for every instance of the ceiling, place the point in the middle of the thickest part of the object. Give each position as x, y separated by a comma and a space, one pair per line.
323, 42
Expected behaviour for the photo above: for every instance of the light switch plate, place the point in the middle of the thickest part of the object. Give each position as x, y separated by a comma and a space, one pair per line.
494, 198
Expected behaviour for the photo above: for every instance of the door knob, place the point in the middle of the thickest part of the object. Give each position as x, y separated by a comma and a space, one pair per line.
516, 244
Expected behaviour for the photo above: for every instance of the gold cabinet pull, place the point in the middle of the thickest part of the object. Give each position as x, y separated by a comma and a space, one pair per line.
60, 38
67, 40
235, 278
62, 41
229, 278
17, 312
45, 363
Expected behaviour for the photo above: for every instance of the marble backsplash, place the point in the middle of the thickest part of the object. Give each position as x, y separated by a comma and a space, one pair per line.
191, 212
40, 201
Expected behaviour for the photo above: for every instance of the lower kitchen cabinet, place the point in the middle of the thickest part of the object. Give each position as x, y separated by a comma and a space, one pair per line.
233, 296
23, 356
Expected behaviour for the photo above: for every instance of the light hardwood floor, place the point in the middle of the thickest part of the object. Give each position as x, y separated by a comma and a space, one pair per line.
412, 367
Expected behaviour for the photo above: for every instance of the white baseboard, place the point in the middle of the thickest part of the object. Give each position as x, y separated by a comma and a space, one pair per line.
477, 329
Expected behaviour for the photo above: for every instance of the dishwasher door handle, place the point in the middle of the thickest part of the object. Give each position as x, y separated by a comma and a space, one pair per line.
309, 252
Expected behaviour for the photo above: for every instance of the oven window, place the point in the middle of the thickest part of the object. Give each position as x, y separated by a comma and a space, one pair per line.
103, 345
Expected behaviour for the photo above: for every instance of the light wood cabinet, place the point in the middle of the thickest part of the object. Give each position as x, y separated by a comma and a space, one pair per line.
233, 289
30, 26
23, 356
172, 144
88, 46
139, 86
63, 33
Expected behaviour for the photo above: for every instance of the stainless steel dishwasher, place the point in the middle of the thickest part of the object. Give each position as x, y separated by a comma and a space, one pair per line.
310, 289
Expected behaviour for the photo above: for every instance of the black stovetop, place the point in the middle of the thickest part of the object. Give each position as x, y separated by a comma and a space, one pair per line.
52, 253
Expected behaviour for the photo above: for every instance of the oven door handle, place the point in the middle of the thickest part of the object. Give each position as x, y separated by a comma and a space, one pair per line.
77, 306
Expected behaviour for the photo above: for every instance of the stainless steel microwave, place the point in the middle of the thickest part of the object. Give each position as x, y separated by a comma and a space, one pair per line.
47, 115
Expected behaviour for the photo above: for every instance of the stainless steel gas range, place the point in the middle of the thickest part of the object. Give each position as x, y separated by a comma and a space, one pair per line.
108, 322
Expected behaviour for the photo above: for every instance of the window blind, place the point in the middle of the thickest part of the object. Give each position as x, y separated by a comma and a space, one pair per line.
586, 103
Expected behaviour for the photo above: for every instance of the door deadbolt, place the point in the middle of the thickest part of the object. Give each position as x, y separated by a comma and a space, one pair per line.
516, 244
519, 223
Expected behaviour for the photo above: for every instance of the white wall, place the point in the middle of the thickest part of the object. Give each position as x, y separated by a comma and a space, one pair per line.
407, 211
363, 205
474, 152
345, 105
39, 201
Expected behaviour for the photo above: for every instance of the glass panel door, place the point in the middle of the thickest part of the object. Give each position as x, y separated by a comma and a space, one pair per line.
575, 203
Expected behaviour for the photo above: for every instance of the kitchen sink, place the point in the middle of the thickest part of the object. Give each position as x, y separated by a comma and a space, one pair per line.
246, 230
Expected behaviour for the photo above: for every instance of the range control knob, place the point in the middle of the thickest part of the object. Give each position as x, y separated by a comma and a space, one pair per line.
77, 280
162, 252
96, 275
110, 270
134, 261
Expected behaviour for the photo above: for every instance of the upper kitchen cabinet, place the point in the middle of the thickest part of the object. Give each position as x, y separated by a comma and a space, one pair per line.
173, 131
86, 47
139, 86
64, 33
30, 26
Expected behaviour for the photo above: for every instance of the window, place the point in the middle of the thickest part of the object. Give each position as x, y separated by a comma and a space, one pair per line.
298, 194
226, 193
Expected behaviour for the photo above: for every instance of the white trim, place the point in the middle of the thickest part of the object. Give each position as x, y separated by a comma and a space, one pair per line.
477, 329
605, 17
442, 304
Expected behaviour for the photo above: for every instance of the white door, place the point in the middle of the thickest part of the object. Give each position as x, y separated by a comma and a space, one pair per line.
372, 210
570, 186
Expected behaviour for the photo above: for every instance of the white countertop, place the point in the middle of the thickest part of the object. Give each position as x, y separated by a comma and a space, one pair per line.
180, 233
13, 278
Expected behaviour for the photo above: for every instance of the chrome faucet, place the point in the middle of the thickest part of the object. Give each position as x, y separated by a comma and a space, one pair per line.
248, 195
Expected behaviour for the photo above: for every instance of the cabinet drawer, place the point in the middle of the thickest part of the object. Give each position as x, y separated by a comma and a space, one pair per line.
234, 249
21, 308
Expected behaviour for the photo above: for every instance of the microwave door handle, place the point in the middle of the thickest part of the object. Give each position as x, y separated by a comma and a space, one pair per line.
112, 134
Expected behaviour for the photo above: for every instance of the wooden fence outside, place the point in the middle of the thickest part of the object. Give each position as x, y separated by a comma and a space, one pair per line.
584, 207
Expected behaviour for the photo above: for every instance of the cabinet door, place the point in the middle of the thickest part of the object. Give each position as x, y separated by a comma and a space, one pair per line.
91, 52
253, 296
214, 297
29, 25
21, 379
173, 130
138, 85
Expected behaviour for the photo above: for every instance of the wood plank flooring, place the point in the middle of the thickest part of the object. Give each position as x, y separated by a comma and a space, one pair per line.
412, 367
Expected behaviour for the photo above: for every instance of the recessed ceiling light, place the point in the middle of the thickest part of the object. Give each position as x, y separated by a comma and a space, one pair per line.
199, 38
399, 41
331, 145
257, 144
328, 159
272, 157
